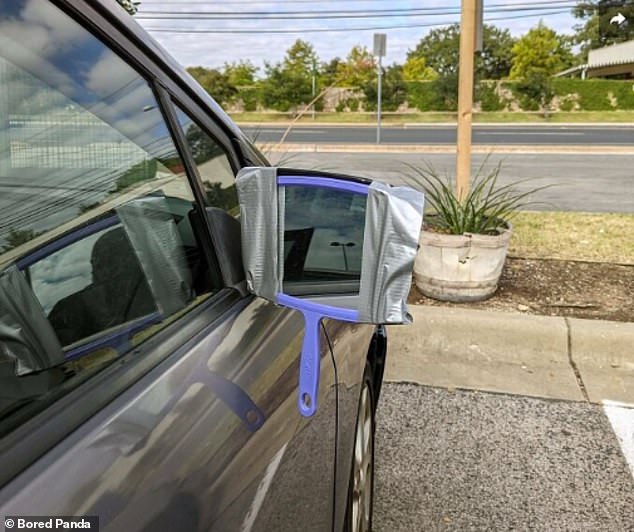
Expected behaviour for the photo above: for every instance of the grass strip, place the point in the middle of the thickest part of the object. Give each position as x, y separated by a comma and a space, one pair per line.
436, 117
594, 237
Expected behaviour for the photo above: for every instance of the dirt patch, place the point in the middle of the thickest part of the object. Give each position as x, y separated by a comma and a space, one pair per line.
589, 290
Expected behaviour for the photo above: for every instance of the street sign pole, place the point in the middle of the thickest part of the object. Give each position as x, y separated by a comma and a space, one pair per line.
314, 86
378, 114
380, 45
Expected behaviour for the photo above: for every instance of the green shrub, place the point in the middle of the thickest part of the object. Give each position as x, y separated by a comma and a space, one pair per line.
487, 96
351, 104
587, 94
424, 96
567, 103
594, 94
438, 95
250, 98
535, 91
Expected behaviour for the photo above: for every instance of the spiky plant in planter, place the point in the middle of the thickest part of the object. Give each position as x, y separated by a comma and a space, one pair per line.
464, 242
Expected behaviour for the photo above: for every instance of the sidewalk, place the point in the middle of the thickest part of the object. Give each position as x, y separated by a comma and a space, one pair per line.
539, 356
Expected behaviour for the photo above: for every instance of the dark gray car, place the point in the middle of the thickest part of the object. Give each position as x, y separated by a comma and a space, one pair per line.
142, 379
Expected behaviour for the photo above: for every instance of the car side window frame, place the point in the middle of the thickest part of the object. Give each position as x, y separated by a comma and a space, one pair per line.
164, 99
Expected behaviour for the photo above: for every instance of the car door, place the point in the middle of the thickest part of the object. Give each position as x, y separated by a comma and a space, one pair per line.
138, 387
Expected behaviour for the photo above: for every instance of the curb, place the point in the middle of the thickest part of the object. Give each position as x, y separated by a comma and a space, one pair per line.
539, 356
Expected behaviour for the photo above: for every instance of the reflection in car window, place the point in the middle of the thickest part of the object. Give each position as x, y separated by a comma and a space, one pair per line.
64, 272
323, 239
213, 166
99, 242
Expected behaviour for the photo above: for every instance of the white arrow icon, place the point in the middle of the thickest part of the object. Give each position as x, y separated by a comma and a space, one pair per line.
619, 19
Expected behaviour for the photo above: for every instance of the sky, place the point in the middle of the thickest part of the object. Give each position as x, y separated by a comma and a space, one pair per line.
215, 40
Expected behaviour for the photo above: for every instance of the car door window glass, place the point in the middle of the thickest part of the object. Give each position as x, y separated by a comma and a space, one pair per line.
213, 165
99, 238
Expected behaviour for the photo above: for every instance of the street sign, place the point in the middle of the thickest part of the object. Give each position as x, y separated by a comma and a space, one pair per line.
380, 44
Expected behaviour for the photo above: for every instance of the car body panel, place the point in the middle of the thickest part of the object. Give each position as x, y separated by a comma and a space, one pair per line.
171, 450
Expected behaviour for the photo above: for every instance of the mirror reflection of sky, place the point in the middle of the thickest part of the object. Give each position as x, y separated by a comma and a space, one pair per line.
64, 272
73, 118
337, 218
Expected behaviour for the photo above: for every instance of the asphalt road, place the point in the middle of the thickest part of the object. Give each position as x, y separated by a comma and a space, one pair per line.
477, 461
446, 134
579, 182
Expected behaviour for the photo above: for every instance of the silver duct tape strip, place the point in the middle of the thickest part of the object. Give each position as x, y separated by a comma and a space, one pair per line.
261, 247
394, 216
150, 227
26, 336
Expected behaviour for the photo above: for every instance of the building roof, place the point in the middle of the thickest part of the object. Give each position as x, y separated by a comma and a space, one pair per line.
614, 55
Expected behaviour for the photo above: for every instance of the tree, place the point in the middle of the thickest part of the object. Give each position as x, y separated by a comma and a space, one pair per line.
328, 72
240, 74
496, 58
131, 6
416, 69
540, 52
598, 30
393, 90
289, 83
17, 237
215, 83
440, 49
358, 70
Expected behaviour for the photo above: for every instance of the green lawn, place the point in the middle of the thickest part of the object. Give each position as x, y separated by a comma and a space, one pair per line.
574, 236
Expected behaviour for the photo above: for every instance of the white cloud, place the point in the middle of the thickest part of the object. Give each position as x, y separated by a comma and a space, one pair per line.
63, 273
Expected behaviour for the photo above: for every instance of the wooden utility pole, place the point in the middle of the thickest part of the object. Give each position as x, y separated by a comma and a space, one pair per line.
465, 96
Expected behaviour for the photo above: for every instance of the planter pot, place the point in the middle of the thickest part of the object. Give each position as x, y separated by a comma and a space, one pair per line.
460, 268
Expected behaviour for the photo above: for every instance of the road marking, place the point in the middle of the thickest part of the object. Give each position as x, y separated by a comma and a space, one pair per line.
621, 417
533, 133
310, 131
265, 130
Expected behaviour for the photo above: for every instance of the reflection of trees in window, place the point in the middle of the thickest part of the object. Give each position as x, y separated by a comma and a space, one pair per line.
142, 171
223, 198
17, 237
205, 149
202, 147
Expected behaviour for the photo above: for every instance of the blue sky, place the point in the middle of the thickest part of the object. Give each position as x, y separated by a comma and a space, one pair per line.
214, 49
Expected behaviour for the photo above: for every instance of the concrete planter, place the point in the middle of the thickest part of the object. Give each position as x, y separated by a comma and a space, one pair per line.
460, 268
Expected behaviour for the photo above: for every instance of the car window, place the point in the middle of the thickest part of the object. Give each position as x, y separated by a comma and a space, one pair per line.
213, 165
100, 237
